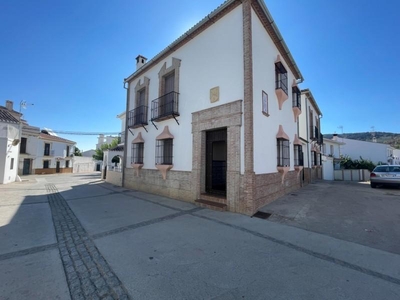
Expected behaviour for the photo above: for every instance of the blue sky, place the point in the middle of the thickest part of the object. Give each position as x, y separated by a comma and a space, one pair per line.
69, 58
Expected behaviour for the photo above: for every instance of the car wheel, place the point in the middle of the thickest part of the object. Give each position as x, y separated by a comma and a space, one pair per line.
373, 185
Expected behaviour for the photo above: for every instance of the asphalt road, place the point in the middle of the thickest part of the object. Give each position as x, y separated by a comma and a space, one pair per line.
76, 237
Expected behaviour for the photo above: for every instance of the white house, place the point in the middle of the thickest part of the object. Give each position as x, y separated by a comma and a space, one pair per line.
28, 148
331, 151
214, 115
9, 145
378, 153
53, 154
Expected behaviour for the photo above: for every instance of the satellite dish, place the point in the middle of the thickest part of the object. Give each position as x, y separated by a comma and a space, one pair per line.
15, 142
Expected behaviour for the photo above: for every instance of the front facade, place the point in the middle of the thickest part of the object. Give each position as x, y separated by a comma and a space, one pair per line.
28, 149
214, 117
331, 152
310, 135
53, 154
378, 153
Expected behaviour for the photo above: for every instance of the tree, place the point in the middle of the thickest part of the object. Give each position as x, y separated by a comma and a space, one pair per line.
77, 152
99, 152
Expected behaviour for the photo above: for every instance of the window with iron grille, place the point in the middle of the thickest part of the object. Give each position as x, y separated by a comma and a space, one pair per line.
314, 158
137, 153
46, 149
296, 95
46, 164
298, 155
164, 152
22, 148
283, 158
281, 77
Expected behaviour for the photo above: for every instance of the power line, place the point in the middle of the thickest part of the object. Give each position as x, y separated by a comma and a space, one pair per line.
84, 133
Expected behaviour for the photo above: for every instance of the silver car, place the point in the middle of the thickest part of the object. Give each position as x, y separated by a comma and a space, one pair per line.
385, 175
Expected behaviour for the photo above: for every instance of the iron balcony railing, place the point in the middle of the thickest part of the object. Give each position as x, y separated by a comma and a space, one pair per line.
281, 78
138, 116
164, 107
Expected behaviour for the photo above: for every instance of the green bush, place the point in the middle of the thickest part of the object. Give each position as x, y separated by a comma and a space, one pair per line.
348, 163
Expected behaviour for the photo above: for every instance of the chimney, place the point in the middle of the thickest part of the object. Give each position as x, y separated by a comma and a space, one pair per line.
140, 61
9, 105
334, 137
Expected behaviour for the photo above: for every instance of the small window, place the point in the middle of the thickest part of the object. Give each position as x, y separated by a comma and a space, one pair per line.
313, 158
281, 78
264, 103
331, 150
298, 155
22, 148
137, 153
164, 152
46, 149
67, 163
296, 95
283, 158
46, 164
12, 164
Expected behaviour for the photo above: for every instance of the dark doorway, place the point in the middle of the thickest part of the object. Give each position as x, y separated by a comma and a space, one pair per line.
58, 167
216, 156
98, 167
27, 167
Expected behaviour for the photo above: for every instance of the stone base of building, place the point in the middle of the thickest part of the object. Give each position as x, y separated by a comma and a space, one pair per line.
52, 171
270, 187
114, 178
177, 184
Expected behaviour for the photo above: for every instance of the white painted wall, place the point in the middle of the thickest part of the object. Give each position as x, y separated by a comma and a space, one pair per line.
213, 58
376, 152
8, 152
327, 168
396, 156
266, 128
332, 148
57, 150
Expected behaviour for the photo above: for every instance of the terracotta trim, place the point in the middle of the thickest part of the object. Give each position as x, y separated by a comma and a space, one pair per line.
137, 168
283, 171
164, 169
139, 86
282, 134
165, 134
297, 141
138, 139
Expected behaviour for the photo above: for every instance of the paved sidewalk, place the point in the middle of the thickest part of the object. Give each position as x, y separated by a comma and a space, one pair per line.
75, 237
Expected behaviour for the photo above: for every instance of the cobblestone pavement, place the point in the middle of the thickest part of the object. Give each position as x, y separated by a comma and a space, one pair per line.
88, 274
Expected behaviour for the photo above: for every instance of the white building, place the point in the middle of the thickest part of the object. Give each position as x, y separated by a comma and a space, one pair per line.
331, 151
376, 152
9, 145
53, 154
310, 136
214, 115
105, 140
28, 148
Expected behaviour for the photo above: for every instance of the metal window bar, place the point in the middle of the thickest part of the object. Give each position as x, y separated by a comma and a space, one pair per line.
165, 106
283, 158
296, 97
281, 78
164, 152
316, 133
137, 153
298, 155
138, 116
46, 149
313, 158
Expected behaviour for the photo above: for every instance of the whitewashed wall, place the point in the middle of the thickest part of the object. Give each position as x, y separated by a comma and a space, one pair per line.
57, 149
376, 152
265, 128
8, 152
213, 58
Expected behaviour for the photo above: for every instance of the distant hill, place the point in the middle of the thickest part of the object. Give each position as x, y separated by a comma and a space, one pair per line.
393, 139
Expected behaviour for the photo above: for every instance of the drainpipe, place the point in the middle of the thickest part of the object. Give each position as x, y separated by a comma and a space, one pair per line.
125, 160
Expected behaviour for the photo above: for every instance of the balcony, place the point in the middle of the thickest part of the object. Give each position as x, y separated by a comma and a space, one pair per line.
165, 107
296, 102
137, 117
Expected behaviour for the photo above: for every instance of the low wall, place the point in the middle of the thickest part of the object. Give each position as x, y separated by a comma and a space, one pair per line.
83, 164
270, 187
52, 171
352, 175
114, 178
177, 185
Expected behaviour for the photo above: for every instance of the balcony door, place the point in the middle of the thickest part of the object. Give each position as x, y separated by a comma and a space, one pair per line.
167, 101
